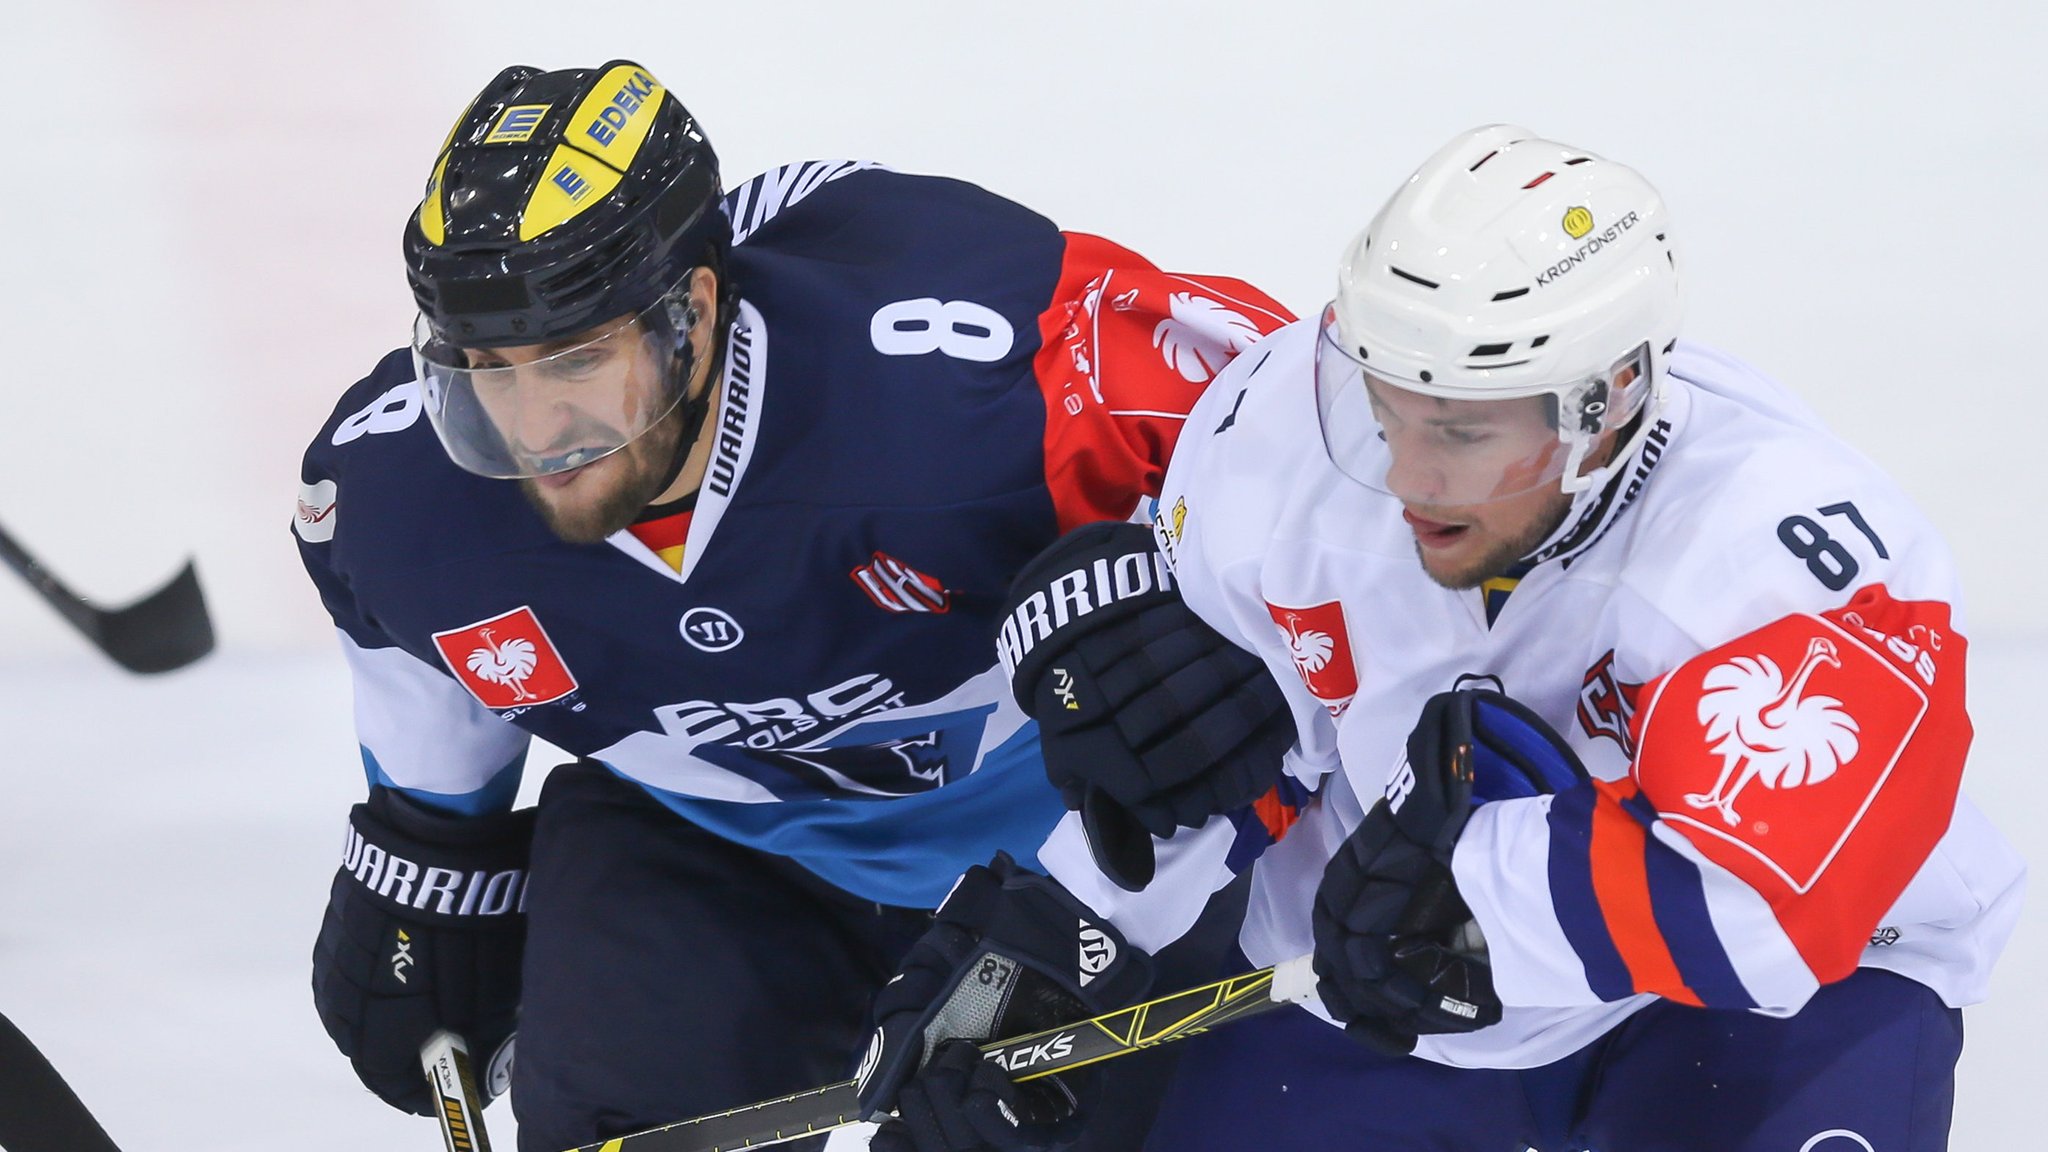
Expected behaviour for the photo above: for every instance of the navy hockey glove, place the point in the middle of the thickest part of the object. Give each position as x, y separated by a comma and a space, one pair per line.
963, 1102
1137, 699
1396, 950
1009, 952
425, 929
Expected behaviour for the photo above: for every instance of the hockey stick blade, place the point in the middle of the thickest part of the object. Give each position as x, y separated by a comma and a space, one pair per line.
38, 1111
167, 629
1175, 1016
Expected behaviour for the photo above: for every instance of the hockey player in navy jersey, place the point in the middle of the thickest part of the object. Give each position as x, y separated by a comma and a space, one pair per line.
1630, 709
721, 491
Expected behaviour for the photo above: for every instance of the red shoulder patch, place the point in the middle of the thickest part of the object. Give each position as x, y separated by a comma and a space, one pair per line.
1815, 759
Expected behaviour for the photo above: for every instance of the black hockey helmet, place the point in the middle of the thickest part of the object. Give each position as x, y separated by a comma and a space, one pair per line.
561, 200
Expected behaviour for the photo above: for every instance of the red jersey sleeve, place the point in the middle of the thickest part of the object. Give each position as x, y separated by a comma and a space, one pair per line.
1125, 351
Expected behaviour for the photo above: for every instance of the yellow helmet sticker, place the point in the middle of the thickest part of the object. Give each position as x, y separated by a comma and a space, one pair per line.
612, 122
433, 221
517, 124
573, 182
1578, 222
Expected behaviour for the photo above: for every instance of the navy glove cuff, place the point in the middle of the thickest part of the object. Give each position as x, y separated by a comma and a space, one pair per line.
434, 869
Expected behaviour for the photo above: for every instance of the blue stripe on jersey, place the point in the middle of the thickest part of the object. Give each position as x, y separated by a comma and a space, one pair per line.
901, 850
1250, 843
1253, 836
1572, 897
1679, 902
497, 794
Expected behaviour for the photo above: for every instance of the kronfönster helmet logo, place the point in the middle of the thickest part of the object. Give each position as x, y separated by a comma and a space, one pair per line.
1577, 222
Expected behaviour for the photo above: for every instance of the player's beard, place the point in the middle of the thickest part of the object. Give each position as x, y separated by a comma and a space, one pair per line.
637, 473
1503, 555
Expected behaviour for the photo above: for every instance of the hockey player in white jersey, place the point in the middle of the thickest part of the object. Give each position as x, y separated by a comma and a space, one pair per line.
1630, 708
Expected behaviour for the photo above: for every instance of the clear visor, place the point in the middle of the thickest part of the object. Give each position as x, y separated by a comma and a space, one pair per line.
532, 410
1410, 441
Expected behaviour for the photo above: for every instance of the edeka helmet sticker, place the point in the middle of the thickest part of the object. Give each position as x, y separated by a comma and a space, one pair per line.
314, 518
613, 121
1577, 222
518, 124
433, 221
573, 182
602, 136
506, 661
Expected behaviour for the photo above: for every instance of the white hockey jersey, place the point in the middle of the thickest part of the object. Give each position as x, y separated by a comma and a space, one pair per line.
1750, 637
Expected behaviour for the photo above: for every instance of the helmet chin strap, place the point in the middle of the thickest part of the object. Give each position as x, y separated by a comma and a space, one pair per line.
695, 409
1593, 503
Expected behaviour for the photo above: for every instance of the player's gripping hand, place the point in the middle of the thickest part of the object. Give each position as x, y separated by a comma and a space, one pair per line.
1009, 952
1397, 953
1133, 693
424, 930
962, 1102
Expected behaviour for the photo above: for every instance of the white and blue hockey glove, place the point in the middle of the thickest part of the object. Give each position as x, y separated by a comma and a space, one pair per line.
1008, 953
1397, 954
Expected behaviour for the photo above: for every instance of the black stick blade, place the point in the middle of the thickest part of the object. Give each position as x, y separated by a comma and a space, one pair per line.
165, 630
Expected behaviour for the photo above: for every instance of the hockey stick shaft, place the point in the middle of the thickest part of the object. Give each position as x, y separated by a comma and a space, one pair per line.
457, 1105
38, 1111
167, 629
1175, 1016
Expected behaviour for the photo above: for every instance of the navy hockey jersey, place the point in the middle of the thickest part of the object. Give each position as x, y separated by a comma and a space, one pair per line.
925, 384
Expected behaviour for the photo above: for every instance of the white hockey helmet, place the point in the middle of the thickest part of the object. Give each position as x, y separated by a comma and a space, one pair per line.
1508, 267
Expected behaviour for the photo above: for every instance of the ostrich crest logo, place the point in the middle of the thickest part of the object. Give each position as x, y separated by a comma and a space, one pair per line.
1200, 335
509, 663
1309, 647
1764, 728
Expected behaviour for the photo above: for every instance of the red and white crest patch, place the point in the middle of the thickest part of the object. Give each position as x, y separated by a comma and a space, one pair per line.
1607, 706
1779, 746
1321, 647
506, 661
897, 587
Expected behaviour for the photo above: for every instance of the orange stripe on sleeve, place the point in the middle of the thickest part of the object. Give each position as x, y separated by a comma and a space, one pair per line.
1622, 887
